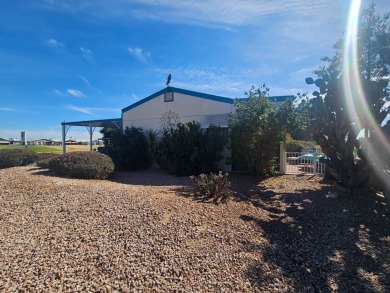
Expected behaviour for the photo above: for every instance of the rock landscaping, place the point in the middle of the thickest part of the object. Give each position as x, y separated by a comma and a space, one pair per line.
144, 232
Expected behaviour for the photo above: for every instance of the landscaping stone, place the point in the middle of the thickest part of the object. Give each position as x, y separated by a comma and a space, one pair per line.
144, 232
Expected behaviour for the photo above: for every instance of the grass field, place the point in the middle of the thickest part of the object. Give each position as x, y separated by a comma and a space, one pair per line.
49, 149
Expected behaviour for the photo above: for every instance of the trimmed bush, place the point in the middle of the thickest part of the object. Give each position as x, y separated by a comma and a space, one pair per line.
44, 159
84, 165
15, 157
215, 187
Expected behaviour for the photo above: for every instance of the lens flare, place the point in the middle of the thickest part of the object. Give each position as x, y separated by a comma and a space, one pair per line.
356, 100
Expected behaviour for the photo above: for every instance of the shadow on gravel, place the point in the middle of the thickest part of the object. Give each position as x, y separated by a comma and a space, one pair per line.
43, 172
150, 177
319, 244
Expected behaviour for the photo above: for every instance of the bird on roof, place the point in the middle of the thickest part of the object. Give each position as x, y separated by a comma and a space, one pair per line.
169, 79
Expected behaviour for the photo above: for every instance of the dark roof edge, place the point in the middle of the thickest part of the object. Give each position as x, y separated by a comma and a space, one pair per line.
91, 121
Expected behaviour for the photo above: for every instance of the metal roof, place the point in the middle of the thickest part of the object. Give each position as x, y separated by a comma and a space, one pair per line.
110, 123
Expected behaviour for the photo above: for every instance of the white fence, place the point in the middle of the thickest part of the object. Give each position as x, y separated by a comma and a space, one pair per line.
304, 163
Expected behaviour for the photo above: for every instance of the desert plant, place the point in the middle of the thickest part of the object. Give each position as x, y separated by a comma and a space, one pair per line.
85, 165
341, 109
214, 187
16, 157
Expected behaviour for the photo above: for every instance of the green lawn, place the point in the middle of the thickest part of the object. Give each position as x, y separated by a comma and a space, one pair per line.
35, 148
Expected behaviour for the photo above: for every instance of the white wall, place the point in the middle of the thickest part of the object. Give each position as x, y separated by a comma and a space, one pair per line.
188, 108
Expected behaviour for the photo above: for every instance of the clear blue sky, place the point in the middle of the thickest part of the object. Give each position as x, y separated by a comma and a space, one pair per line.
71, 60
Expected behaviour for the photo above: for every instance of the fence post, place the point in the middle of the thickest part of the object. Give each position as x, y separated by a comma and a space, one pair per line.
282, 158
315, 163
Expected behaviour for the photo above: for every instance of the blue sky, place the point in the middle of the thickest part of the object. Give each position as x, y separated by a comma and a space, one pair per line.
77, 60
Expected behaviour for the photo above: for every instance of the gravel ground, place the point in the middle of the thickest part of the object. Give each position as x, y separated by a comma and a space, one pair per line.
142, 232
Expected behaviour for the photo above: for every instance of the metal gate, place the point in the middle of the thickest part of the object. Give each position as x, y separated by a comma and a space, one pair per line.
304, 163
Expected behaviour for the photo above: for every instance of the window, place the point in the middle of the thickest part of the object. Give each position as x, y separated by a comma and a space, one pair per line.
168, 97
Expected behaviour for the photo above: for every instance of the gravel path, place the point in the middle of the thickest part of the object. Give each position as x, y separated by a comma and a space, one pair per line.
142, 232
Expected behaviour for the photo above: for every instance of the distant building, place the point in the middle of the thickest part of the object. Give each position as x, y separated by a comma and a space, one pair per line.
4, 141
42, 141
15, 141
71, 142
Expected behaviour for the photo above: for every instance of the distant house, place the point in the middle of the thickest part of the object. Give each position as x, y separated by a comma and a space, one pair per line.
4, 141
57, 142
70, 142
42, 141
15, 141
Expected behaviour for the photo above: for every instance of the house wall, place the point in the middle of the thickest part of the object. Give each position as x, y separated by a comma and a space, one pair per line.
149, 115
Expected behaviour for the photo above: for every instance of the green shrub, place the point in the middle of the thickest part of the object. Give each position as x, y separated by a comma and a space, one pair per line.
133, 151
128, 150
44, 159
84, 165
164, 149
189, 150
215, 187
16, 157
299, 145
44, 163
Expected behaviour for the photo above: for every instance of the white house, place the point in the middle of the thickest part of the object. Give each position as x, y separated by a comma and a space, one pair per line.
173, 105
168, 107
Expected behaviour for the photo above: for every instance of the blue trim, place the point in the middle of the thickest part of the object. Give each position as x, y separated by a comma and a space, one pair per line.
147, 99
198, 95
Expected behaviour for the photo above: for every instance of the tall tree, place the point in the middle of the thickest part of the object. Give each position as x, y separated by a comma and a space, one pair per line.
258, 126
337, 120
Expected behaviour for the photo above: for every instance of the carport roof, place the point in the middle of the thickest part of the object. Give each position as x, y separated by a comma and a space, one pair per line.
111, 123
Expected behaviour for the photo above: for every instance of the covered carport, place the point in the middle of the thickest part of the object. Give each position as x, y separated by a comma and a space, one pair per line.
91, 126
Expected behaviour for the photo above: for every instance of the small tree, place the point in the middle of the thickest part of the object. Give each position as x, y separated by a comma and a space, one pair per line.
258, 126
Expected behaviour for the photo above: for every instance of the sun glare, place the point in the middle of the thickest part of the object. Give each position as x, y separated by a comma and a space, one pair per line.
356, 100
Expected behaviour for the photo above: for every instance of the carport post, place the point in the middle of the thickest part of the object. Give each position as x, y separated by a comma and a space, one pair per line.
63, 139
90, 138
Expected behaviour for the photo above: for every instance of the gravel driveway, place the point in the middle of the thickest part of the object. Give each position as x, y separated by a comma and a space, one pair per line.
142, 232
